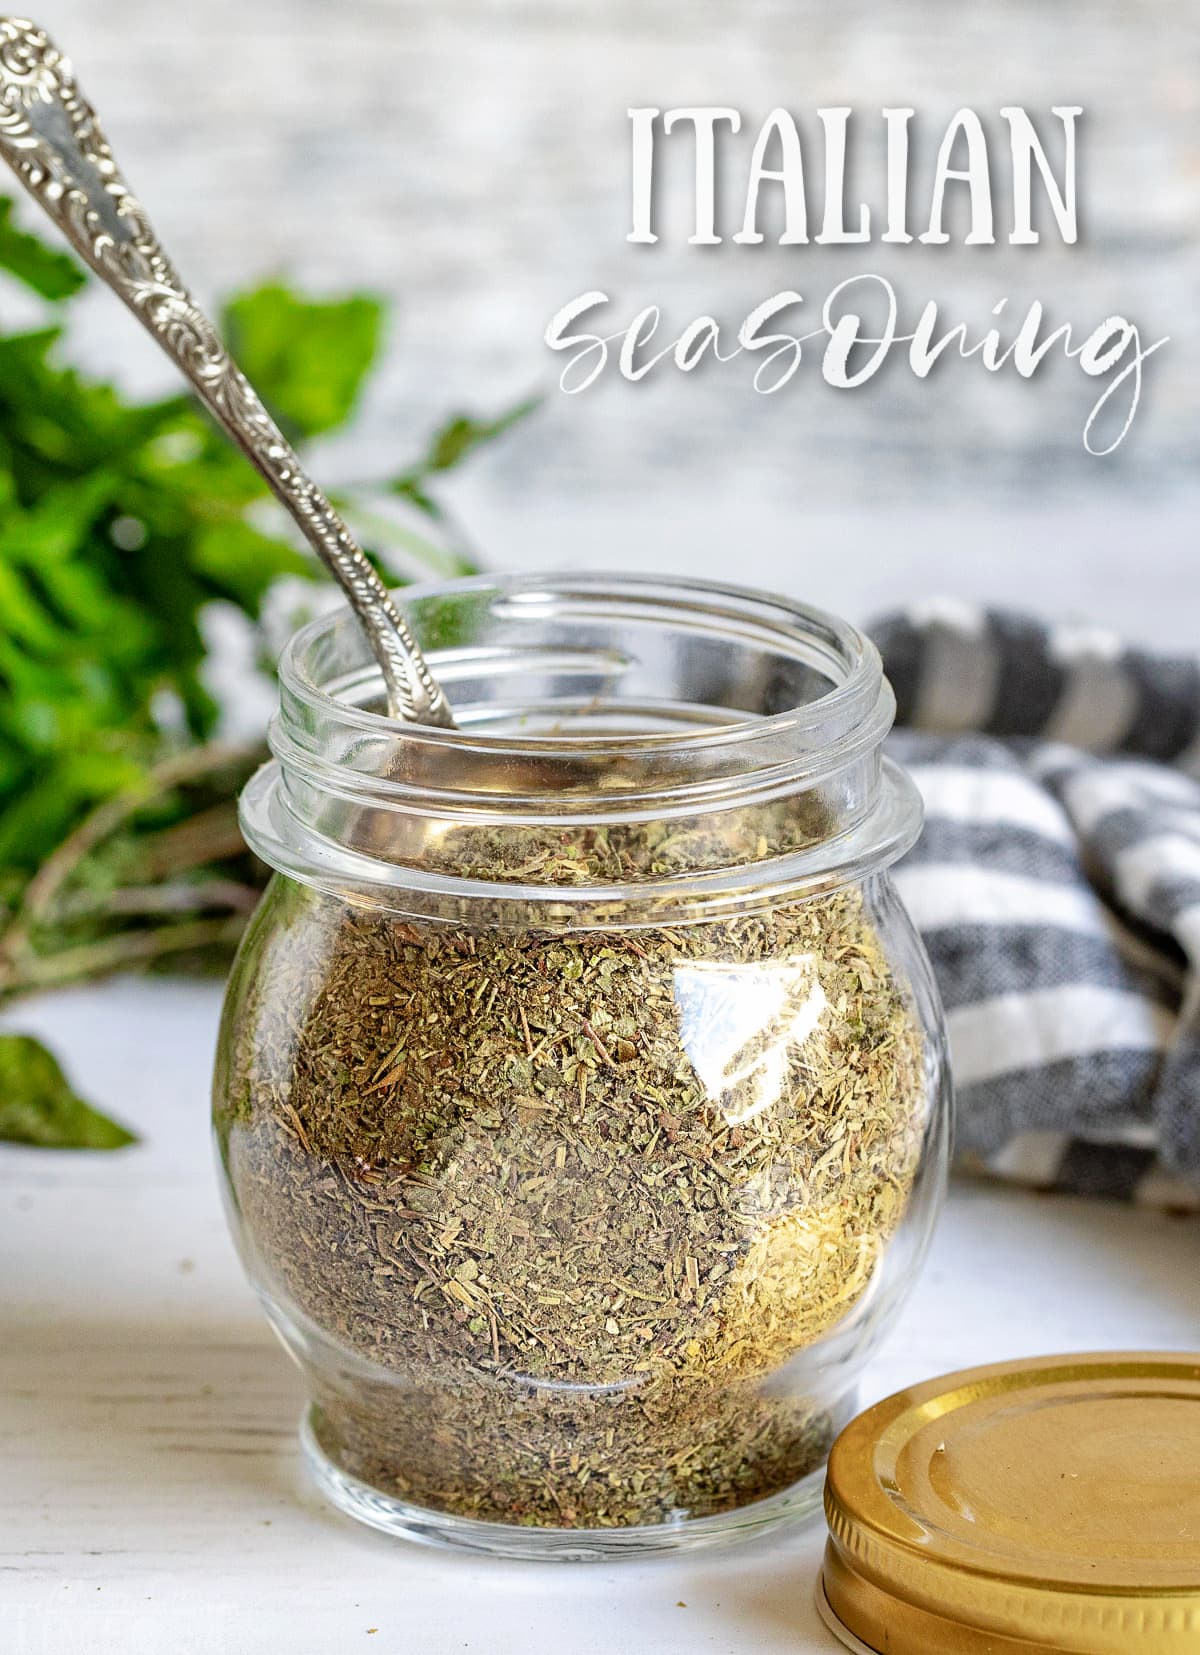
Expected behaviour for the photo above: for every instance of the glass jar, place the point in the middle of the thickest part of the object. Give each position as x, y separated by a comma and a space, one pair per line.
581, 1093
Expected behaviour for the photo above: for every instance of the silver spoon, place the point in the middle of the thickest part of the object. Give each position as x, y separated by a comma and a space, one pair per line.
50, 137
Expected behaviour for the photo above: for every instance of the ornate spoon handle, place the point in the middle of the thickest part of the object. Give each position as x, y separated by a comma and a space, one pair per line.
50, 137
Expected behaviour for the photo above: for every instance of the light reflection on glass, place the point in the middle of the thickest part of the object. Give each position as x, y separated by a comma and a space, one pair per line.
742, 1025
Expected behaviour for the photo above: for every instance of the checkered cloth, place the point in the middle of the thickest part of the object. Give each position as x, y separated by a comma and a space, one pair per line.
1057, 886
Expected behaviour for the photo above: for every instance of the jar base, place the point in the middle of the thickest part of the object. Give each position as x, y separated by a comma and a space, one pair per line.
545, 1545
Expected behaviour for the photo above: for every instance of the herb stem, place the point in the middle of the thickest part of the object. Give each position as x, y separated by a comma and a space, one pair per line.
131, 948
92, 831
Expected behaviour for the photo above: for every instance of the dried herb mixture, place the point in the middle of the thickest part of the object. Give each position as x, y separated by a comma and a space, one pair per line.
553, 1212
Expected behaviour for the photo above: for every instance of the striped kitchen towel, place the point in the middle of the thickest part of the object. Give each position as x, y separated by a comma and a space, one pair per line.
1057, 886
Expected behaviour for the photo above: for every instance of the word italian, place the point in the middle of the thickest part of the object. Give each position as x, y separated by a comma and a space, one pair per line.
779, 142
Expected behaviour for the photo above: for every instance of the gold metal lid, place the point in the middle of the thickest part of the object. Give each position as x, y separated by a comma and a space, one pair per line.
1052, 1504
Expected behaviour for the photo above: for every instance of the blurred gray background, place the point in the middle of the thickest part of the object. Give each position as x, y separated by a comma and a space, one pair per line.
471, 160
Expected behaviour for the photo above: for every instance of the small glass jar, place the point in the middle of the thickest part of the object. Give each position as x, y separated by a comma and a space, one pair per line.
581, 1092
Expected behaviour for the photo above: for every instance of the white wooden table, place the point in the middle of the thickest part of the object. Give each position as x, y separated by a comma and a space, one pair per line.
151, 1497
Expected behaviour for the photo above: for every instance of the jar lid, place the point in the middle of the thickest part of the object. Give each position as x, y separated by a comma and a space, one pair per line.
1051, 1504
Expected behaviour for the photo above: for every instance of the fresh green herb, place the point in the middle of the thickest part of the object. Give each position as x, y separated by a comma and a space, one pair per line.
121, 520
457, 439
51, 274
39, 1106
314, 355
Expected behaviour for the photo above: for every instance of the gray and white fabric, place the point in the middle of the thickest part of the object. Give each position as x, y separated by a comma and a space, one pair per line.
1057, 886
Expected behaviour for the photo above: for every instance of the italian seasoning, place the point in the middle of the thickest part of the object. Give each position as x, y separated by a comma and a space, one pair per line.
555, 1211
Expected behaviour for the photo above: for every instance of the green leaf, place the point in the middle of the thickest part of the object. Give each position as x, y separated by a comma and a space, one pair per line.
451, 444
39, 1106
243, 562
53, 795
307, 358
53, 274
54, 528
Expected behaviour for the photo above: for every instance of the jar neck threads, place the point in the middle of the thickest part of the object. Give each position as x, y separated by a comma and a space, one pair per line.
616, 733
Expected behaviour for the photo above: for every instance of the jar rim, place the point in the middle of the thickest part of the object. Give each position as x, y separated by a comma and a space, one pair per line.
845, 650
355, 800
